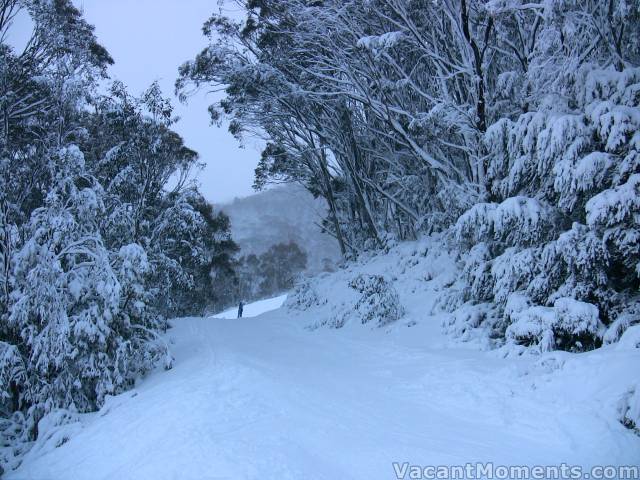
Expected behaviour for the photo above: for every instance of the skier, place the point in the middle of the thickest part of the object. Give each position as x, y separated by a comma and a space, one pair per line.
240, 308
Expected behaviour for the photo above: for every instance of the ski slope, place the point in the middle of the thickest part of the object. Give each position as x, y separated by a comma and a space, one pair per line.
253, 309
267, 399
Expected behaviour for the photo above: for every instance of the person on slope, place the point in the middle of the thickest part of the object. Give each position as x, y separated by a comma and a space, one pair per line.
240, 308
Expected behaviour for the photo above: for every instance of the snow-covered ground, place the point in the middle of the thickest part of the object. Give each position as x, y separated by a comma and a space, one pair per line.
268, 398
253, 309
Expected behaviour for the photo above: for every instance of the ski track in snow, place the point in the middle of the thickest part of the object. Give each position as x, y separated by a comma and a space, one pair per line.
265, 398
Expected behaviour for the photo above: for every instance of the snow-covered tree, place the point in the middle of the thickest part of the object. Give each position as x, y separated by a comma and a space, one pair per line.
95, 201
78, 312
513, 124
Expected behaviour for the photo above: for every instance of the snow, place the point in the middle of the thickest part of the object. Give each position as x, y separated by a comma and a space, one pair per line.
380, 42
481, 344
268, 397
506, 220
253, 309
542, 324
614, 205
577, 317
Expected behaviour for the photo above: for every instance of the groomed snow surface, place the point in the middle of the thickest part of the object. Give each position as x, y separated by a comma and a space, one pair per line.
267, 397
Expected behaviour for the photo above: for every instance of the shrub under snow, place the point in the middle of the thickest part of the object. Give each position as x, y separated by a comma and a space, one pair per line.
568, 325
378, 302
304, 297
629, 405
564, 181
367, 299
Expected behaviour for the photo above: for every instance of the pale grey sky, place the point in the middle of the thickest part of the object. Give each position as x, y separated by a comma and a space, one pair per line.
148, 40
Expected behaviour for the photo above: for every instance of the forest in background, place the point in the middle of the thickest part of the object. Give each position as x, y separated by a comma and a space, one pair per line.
279, 214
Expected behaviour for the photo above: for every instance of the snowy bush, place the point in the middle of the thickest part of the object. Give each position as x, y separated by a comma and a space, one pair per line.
54, 430
515, 221
477, 273
629, 409
533, 327
13, 375
619, 326
304, 297
80, 314
568, 325
630, 339
512, 271
615, 215
564, 218
472, 322
15, 440
377, 303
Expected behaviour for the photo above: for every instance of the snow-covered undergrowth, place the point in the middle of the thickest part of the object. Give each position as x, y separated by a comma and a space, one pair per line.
367, 299
377, 289
430, 281
444, 280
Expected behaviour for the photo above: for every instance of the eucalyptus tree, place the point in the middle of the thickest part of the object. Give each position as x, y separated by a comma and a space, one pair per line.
103, 233
514, 122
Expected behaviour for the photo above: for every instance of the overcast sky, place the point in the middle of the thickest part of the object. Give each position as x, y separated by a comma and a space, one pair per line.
149, 39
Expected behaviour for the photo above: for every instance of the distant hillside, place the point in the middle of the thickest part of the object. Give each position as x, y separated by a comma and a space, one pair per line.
279, 215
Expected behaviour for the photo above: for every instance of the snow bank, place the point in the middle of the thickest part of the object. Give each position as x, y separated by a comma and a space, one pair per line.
405, 285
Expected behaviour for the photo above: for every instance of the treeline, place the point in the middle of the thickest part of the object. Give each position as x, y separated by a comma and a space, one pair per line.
272, 272
102, 234
510, 124
253, 277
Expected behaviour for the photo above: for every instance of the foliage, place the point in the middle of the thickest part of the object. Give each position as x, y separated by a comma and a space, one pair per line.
102, 233
512, 124
270, 273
